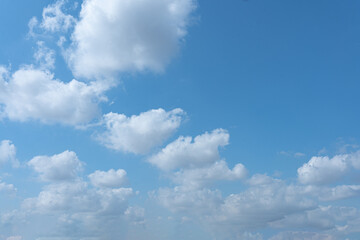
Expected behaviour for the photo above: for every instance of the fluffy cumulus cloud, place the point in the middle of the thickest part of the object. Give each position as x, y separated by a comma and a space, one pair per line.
7, 152
127, 35
76, 196
60, 167
33, 94
70, 207
263, 202
79, 211
195, 166
323, 170
109, 179
197, 177
139, 133
188, 153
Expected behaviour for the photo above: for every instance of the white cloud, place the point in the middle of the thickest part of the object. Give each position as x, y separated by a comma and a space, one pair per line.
264, 201
32, 25
59, 167
135, 215
337, 192
261, 204
109, 179
73, 209
199, 177
185, 153
332, 221
201, 202
8, 153
54, 19
127, 35
323, 170
44, 56
33, 94
260, 179
138, 134
75, 196
8, 188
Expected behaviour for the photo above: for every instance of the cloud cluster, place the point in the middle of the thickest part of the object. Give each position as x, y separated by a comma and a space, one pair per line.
264, 201
127, 35
139, 133
34, 94
116, 36
75, 203
195, 164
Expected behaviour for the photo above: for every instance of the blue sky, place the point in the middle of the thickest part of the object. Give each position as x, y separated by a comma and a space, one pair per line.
179, 119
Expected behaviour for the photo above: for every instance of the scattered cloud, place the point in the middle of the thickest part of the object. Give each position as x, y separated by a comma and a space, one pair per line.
34, 94
136, 36
322, 170
109, 179
59, 167
199, 177
8, 153
8, 188
127, 36
44, 56
76, 209
188, 153
139, 133
54, 19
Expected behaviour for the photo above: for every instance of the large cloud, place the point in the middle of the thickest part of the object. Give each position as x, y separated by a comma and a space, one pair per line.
33, 94
127, 35
70, 207
255, 208
138, 134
